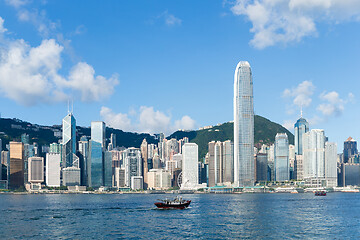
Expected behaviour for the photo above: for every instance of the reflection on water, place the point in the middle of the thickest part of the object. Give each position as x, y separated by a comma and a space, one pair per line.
272, 216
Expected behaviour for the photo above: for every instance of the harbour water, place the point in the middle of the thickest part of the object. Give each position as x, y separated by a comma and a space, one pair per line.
227, 216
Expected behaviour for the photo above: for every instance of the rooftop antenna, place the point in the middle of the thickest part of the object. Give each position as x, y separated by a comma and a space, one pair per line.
301, 112
68, 106
72, 105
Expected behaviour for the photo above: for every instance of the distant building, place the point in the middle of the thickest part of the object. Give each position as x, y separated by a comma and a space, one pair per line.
350, 174
85, 161
190, 174
244, 169
261, 167
16, 165
119, 177
137, 182
53, 169
55, 148
221, 162
301, 127
350, 149
36, 169
282, 170
159, 179
71, 176
314, 157
96, 148
68, 140
144, 156
108, 169
133, 166
331, 164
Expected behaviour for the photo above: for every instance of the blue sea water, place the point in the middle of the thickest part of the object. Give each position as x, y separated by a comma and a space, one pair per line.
133, 216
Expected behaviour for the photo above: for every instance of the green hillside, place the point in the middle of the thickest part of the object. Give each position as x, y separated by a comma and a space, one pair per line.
11, 130
265, 132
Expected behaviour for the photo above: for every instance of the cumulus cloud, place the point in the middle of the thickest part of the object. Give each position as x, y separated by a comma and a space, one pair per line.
284, 21
333, 105
146, 120
30, 75
301, 94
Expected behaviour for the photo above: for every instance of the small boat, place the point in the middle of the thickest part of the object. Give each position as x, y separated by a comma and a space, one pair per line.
177, 203
320, 193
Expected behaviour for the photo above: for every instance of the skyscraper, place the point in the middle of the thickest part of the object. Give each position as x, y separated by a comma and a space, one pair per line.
53, 169
190, 173
301, 127
314, 157
350, 149
68, 140
331, 164
133, 165
244, 169
282, 170
97, 144
16, 165
144, 155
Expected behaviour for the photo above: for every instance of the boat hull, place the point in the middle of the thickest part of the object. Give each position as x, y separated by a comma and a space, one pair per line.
162, 205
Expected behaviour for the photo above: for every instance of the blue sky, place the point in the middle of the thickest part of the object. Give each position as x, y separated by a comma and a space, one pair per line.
152, 66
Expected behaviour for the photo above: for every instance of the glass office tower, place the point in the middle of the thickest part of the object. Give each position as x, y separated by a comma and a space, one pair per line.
301, 126
244, 169
282, 168
97, 145
69, 140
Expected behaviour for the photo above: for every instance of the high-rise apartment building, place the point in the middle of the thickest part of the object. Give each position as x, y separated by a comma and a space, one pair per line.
244, 169
221, 162
97, 145
314, 157
53, 169
133, 165
16, 165
282, 170
190, 173
331, 164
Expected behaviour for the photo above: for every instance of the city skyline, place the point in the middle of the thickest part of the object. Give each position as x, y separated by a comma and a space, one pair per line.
323, 91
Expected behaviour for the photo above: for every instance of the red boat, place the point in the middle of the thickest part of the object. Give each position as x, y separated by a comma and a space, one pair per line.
320, 193
177, 203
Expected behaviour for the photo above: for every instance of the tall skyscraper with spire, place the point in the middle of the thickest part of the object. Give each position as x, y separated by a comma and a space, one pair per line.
68, 140
244, 169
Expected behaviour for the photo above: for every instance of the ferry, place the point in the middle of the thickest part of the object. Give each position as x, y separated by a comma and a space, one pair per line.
320, 193
177, 203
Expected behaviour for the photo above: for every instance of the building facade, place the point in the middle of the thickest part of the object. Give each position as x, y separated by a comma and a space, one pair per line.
244, 169
190, 173
68, 140
97, 145
282, 168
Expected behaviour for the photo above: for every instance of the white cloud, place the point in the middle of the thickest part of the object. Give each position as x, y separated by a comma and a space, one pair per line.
116, 120
334, 105
16, 3
30, 75
169, 19
146, 120
283, 21
301, 94
2, 28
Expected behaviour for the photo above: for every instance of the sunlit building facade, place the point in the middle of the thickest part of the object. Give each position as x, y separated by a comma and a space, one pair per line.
244, 169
